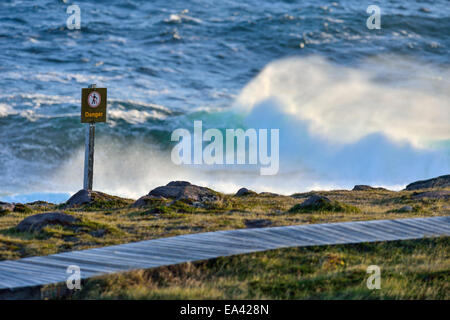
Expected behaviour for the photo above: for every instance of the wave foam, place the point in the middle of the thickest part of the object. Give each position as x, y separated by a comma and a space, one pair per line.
344, 104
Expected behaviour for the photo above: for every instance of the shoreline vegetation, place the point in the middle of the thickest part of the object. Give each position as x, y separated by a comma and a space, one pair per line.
94, 219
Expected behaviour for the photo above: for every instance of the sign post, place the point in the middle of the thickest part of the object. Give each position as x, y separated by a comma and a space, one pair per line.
93, 109
89, 157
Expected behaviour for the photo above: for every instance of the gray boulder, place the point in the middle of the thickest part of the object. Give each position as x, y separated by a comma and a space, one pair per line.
80, 198
38, 221
183, 190
439, 182
363, 187
244, 192
405, 209
257, 223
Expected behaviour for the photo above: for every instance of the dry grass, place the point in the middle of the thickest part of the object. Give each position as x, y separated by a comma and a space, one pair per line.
116, 225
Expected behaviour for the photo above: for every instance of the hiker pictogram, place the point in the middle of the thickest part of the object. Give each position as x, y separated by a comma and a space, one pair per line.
94, 99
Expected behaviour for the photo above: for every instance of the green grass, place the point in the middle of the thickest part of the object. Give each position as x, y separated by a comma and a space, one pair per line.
324, 206
413, 269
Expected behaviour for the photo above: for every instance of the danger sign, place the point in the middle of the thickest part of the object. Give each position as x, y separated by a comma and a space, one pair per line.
93, 105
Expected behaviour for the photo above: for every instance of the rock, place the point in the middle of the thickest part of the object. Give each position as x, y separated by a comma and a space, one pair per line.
362, 187
405, 209
90, 197
314, 201
436, 194
269, 194
257, 223
6, 206
439, 182
38, 221
183, 190
321, 203
148, 200
80, 198
244, 192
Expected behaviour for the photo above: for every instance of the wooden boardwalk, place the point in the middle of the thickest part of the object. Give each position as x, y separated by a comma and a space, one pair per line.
36, 271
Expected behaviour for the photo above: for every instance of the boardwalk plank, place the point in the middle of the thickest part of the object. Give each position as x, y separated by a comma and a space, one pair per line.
193, 247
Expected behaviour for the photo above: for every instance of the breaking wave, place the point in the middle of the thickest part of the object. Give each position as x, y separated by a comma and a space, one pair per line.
339, 126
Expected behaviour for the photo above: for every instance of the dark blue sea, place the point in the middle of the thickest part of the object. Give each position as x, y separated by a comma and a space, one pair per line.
353, 105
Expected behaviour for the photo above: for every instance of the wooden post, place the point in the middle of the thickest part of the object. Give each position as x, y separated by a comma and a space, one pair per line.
89, 154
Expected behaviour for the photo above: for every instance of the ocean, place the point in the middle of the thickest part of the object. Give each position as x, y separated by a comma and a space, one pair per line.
353, 105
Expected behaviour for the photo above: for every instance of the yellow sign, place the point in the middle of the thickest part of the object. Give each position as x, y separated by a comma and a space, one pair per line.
93, 105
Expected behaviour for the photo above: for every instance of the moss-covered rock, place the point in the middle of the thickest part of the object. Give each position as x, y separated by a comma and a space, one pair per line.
183, 190
317, 203
96, 200
147, 201
38, 221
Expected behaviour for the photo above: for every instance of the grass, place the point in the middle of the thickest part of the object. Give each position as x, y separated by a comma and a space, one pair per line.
415, 269
324, 206
22, 208
410, 269
117, 222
